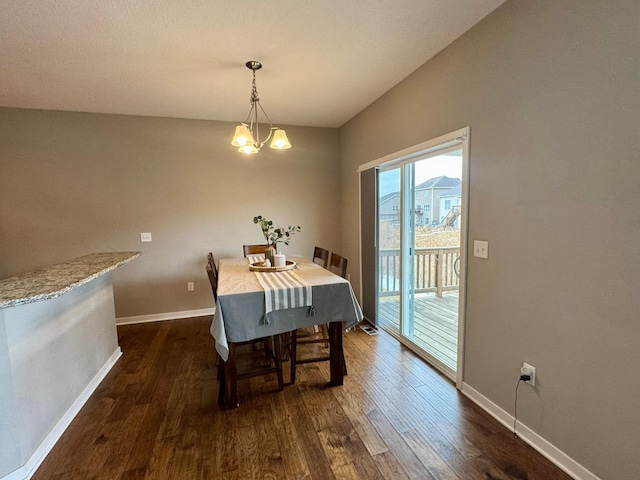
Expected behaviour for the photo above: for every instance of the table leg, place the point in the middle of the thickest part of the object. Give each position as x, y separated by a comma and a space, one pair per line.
293, 354
337, 363
221, 386
230, 399
277, 346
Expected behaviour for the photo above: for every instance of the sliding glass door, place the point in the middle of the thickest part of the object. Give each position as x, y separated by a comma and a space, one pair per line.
389, 259
421, 227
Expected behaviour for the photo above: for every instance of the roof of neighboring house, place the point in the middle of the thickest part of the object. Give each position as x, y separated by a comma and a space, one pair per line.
388, 196
439, 182
454, 192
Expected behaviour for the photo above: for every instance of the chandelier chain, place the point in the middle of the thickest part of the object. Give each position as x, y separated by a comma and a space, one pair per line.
254, 90
247, 135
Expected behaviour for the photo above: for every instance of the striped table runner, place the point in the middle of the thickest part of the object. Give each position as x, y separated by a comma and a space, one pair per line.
284, 290
255, 258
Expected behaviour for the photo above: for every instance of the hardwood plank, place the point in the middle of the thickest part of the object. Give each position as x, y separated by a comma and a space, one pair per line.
362, 460
314, 454
436, 466
269, 453
411, 464
293, 459
341, 464
155, 416
356, 410
248, 448
335, 419
114, 453
226, 453
390, 467
323, 407
468, 463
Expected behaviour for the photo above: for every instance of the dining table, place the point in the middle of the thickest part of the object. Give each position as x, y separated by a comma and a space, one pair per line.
249, 306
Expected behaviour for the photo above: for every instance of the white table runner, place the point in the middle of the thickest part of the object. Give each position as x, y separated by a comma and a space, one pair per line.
255, 258
284, 290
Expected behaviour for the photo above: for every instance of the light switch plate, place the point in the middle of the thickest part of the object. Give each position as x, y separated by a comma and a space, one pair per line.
145, 237
480, 249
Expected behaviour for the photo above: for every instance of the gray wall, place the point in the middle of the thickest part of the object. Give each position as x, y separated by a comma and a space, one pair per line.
76, 183
11, 456
54, 349
551, 92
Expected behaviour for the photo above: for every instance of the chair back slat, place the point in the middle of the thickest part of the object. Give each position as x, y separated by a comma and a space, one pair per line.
322, 255
254, 249
338, 265
213, 279
212, 262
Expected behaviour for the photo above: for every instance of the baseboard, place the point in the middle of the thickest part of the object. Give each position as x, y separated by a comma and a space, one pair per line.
159, 317
29, 468
554, 454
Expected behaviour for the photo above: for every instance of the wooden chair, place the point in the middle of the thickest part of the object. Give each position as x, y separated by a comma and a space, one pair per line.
338, 265
213, 280
272, 347
254, 249
212, 262
322, 255
316, 338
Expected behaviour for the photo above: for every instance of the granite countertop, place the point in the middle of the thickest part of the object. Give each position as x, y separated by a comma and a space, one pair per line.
56, 280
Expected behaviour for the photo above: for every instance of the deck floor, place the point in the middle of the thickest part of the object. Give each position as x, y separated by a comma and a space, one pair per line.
435, 323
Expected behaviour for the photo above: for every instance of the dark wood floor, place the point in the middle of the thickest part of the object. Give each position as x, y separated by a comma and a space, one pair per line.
155, 416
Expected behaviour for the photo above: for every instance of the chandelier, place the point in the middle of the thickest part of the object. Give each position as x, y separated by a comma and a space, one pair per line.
247, 136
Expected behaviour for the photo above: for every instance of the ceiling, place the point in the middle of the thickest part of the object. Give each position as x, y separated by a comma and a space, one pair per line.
323, 60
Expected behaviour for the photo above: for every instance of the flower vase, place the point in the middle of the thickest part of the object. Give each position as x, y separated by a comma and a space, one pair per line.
269, 254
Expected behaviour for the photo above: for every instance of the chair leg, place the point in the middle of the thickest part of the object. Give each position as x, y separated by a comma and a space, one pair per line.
268, 348
293, 350
324, 328
286, 343
277, 342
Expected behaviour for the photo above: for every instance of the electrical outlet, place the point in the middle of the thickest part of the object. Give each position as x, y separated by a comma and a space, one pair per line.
529, 370
145, 237
190, 287
481, 249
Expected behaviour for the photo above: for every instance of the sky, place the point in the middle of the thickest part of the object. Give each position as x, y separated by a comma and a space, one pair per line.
449, 165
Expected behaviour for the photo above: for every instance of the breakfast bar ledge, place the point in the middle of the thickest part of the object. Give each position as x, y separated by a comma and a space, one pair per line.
58, 340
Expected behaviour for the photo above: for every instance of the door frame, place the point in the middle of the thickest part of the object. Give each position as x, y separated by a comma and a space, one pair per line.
459, 139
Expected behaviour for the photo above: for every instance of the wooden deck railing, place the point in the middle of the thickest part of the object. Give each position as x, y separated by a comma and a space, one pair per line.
436, 270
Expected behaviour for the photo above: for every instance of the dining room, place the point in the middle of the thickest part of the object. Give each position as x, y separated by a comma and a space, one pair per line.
363, 429
115, 163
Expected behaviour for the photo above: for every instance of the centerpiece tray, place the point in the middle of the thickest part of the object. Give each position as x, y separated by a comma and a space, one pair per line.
259, 267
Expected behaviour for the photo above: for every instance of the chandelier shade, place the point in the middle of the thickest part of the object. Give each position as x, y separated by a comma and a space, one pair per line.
250, 148
242, 136
247, 134
280, 140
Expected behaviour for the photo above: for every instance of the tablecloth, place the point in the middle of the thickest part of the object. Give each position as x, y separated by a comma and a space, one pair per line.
241, 304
